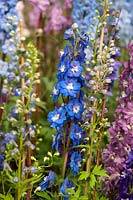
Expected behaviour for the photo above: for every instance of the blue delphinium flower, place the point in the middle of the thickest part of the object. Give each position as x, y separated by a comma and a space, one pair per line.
69, 87
57, 118
65, 185
75, 69
75, 163
76, 134
55, 93
2, 158
63, 67
74, 109
47, 182
58, 141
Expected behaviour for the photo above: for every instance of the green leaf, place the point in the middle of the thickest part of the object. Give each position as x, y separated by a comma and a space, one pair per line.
70, 191
99, 172
41, 104
44, 195
83, 175
73, 198
83, 198
92, 181
9, 197
77, 193
103, 198
2, 196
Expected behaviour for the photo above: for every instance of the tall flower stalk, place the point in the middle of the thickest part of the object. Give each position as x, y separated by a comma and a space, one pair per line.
115, 154
99, 77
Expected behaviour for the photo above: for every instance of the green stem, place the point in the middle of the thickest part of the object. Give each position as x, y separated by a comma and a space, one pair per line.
65, 157
20, 166
90, 151
3, 186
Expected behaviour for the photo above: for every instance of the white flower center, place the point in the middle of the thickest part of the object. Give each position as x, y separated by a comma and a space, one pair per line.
79, 135
55, 91
76, 109
123, 175
55, 118
70, 86
79, 164
62, 69
74, 69
125, 83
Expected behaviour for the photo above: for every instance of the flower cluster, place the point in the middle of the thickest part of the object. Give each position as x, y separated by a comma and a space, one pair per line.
9, 22
8, 61
53, 12
21, 131
121, 131
101, 72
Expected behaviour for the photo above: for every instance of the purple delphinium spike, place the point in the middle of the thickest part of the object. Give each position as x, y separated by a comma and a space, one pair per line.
121, 131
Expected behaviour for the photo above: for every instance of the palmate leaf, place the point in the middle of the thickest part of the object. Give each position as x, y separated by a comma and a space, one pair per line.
9, 197
44, 195
83, 198
99, 172
83, 175
6, 197
92, 181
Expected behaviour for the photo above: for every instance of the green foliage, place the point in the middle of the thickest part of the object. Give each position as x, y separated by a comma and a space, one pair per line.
92, 181
83, 175
43, 195
6, 197
98, 171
